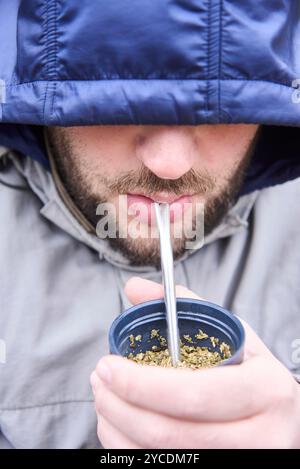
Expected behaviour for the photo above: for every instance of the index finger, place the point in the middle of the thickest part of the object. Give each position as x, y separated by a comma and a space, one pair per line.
216, 394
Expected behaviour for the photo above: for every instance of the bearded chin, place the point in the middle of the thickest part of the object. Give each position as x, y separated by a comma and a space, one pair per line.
145, 250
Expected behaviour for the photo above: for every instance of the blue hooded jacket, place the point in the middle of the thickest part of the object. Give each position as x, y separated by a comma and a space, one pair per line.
174, 62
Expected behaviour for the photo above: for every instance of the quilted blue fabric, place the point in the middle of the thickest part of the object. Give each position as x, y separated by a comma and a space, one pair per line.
84, 62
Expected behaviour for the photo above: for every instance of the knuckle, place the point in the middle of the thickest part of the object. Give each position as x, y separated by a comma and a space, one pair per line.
98, 405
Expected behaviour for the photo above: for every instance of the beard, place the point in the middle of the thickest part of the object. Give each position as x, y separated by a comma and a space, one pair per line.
87, 188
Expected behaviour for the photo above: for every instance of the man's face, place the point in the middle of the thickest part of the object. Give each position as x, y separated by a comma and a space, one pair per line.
184, 166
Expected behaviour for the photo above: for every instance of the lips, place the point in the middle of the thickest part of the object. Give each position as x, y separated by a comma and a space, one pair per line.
165, 197
145, 205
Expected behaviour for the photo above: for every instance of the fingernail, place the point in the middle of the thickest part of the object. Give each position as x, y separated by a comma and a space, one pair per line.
103, 371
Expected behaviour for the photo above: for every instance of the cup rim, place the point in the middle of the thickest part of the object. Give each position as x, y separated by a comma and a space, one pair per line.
232, 317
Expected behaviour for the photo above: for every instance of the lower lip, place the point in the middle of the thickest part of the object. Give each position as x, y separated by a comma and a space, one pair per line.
147, 213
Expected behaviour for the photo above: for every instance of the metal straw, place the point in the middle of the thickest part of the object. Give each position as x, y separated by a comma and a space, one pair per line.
162, 211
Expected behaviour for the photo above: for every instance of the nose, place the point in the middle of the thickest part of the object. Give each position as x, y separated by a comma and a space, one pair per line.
168, 152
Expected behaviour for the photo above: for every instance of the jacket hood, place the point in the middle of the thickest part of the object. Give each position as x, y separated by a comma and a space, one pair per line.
137, 62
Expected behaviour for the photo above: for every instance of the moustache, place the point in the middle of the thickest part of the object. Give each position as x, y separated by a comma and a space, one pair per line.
144, 180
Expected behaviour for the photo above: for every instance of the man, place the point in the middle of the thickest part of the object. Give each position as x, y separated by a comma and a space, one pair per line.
155, 101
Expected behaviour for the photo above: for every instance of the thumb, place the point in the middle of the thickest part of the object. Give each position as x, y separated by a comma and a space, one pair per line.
138, 290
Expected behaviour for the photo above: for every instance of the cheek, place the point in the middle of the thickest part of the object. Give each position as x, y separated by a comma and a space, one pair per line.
105, 148
222, 147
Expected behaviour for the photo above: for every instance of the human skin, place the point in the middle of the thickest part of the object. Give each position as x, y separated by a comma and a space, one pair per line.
204, 162
252, 405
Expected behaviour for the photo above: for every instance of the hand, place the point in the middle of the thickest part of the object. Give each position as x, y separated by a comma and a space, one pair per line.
252, 405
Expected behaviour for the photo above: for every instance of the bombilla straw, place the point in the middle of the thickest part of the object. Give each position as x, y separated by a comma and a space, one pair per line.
162, 211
